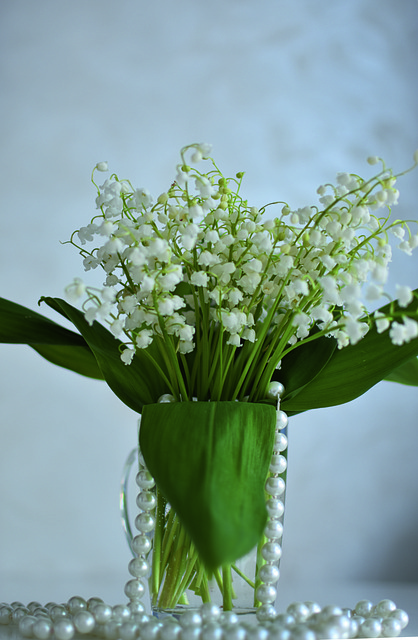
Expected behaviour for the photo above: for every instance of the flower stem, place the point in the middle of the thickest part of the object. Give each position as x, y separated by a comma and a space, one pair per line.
227, 587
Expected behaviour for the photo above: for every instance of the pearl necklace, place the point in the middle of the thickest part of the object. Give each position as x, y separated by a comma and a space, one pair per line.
301, 621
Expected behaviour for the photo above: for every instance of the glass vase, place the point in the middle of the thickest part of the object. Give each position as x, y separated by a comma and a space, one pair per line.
177, 579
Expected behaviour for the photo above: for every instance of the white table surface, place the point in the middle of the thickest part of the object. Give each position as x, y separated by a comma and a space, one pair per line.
343, 594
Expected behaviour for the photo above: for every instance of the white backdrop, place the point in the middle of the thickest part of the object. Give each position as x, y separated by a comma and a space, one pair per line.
289, 91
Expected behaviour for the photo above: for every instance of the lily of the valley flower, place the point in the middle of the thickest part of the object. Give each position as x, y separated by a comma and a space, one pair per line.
200, 260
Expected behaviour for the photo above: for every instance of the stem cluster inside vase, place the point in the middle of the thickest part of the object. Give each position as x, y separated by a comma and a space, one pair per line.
179, 576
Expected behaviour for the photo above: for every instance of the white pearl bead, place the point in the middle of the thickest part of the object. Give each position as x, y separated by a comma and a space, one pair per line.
391, 628
257, 633
400, 615
281, 420
92, 601
271, 552
363, 608
275, 390
64, 629
42, 629
134, 589
275, 508
313, 607
136, 608
102, 612
275, 486
191, 633
58, 611
146, 501
120, 612
354, 627
141, 544
384, 607
278, 463
370, 628
298, 610
266, 594
144, 522
209, 611
5, 614
138, 567
150, 629
144, 479
169, 631
280, 442
301, 632
84, 621
190, 619
211, 631
129, 631
234, 632
265, 613
25, 626
228, 618
76, 603
269, 573
110, 630
18, 613
330, 610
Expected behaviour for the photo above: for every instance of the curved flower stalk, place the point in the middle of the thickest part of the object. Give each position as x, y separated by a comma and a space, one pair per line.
206, 297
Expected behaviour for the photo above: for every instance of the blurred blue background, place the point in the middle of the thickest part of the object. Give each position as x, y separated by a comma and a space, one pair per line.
291, 93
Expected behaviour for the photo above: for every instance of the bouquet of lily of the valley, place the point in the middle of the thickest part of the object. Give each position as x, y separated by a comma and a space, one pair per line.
206, 300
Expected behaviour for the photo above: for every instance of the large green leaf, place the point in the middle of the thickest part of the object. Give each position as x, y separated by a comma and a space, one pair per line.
19, 325
407, 373
353, 370
210, 460
136, 384
78, 359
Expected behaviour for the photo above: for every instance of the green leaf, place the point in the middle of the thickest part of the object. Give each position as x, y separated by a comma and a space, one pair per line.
210, 460
136, 384
407, 373
303, 364
19, 325
353, 370
78, 359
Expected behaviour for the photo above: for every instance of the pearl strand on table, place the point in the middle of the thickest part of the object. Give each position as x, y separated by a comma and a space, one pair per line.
301, 621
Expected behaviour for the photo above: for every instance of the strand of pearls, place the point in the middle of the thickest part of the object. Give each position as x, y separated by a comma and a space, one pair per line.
139, 567
301, 621
275, 487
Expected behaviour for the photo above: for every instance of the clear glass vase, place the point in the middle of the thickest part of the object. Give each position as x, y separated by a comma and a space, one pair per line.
177, 579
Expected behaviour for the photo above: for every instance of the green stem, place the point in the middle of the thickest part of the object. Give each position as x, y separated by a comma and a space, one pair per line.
243, 576
174, 573
227, 588
157, 545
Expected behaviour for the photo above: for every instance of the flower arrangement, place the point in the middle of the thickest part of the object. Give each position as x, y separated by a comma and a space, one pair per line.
207, 301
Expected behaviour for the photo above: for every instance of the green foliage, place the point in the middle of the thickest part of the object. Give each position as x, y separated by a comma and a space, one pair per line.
136, 384
352, 371
407, 373
19, 325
